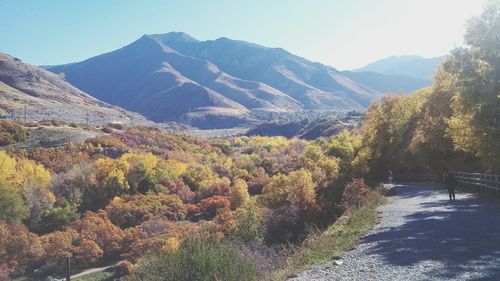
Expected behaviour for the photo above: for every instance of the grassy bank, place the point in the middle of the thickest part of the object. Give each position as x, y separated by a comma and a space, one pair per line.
332, 243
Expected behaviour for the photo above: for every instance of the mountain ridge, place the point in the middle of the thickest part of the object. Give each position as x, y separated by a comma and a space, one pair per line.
175, 77
414, 66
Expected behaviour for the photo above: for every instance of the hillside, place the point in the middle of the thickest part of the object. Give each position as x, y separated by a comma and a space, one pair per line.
410, 66
45, 95
212, 84
306, 129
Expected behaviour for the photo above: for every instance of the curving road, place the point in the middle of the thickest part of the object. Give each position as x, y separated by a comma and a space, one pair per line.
423, 236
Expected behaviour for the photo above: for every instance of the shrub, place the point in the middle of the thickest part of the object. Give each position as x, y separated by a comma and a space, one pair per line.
11, 132
139, 208
60, 217
12, 207
249, 223
197, 260
355, 195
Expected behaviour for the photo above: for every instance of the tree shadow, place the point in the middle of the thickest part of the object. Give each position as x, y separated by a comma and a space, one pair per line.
462, 236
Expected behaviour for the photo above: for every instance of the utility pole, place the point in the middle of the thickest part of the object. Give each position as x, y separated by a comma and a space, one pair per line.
25, 105
68, 268
87, 121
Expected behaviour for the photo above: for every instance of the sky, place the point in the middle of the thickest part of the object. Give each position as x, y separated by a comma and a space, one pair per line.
345, 34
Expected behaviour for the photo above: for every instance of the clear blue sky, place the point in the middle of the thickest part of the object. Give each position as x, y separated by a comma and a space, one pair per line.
342, 33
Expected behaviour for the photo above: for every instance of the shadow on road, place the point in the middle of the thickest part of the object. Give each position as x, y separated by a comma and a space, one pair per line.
463, 236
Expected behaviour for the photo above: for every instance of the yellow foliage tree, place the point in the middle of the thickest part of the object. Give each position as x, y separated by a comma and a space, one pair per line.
239, 194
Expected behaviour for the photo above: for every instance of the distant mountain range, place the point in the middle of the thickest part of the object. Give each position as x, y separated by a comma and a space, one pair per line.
220, 83
410, 66
35, 93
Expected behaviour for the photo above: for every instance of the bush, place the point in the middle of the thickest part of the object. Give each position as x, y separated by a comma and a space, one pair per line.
11, 132
58, 218
12, 207
197, 260
355, 195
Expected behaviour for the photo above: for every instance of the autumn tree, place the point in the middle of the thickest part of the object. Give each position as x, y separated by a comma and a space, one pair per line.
239, 194
111, 179
98, 228
139, 208
249, 222
20, 250
474, 73
31, 180
86, 254
12, 207
295, 189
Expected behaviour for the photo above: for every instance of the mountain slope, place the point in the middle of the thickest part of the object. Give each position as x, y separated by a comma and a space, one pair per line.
388, 83
315, 85
411, 66
212, 84
47, 96
220, 83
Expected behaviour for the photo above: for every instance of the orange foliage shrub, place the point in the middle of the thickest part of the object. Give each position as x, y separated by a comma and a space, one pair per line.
86, 254
11, 132
98, 228
19, 249
212, 204
57, 246
355, 195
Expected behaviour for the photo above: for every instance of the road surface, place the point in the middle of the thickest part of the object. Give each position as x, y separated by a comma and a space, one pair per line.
423, 236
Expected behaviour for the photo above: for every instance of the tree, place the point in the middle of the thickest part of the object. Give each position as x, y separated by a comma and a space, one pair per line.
111, 179
12, 207
239, 194
296, 190
58, 218
301, 190
355, 195
141, 174
98, 228
31, 180
474, 72
86, 254
388, 131
79, 186
20, 250
249, 223
212, 204
139, 208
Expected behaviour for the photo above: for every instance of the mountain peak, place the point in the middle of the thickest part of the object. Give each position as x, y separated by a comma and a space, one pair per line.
173, 36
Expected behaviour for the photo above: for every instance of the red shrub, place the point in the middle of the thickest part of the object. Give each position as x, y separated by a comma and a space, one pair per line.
356, 194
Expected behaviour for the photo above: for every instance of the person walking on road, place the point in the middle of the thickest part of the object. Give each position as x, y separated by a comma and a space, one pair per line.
451, 184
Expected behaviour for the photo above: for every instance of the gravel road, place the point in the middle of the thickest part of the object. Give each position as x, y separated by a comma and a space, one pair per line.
423, 236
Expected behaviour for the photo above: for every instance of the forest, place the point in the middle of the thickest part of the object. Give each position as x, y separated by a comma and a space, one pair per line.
184, 207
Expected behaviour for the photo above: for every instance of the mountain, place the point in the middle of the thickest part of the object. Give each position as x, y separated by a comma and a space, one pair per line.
388, 83
212, 84
222, 83
410, 66
45, 95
